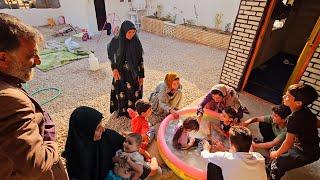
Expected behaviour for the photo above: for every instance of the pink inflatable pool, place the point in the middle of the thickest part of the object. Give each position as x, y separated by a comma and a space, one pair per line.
196, 168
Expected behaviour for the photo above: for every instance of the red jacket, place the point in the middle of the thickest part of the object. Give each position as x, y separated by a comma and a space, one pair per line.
139, 124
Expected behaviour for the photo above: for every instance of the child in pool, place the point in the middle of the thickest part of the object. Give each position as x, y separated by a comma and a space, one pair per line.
181, 138
227, 120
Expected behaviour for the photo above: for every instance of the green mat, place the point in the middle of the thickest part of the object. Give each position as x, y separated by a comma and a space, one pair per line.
51, 59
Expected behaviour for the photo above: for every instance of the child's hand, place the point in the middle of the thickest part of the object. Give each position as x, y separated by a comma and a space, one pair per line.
123, 161
245, 123
128, 159
131, 113
206, 145
120, 160
274, 155
191, 142
174, 114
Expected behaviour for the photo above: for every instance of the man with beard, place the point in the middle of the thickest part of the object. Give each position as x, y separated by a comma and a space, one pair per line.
27, 136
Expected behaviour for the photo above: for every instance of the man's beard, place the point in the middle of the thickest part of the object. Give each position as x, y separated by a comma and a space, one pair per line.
16, 70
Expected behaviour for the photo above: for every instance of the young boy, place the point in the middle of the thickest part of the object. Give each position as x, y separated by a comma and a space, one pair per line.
273, 128
128, 162
227, 120
139, 120
301, 145
238, 163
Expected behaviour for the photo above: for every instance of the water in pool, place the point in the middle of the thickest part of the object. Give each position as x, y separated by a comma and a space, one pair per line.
192, 156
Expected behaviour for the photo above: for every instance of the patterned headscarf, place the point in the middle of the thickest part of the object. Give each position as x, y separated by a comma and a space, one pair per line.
222, 88
170, 77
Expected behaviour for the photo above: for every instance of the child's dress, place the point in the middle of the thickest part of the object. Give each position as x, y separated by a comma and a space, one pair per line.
184, 139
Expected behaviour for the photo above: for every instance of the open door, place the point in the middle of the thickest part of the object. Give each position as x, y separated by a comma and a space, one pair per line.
306, 55
282, 53
100, 13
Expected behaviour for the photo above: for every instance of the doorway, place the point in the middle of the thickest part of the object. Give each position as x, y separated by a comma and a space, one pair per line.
100, 13
287, 33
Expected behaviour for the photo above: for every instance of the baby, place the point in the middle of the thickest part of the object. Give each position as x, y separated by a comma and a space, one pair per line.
128, 162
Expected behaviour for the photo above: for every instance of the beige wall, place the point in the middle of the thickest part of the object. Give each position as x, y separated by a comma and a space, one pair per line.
34, 17
206, 9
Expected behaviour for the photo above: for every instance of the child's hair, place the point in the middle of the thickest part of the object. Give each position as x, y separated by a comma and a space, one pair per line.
189, 123
142, 106
231, 112
304, 93
281, 110
137, 137
241, 138
217, 92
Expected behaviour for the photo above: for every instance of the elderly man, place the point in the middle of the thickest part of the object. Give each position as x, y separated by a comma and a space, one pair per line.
27, 138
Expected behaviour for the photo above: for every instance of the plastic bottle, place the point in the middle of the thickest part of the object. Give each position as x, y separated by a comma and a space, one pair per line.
93, 62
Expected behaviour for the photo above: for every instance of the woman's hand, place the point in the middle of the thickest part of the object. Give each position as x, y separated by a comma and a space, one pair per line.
199, 118
140, 80
174, 113
98, 132
116, 74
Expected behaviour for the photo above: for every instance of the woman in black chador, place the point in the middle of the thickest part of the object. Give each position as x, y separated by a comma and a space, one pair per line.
125, 53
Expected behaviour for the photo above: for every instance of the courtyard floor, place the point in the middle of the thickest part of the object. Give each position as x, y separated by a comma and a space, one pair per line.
199, 67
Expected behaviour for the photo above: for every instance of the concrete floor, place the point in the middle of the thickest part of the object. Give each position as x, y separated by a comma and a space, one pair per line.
258, 107
198, 65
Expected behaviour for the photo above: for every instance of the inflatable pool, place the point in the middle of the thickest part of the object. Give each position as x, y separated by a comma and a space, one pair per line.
186, 164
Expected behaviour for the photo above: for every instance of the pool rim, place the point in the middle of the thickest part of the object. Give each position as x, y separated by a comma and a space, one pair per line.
178, 166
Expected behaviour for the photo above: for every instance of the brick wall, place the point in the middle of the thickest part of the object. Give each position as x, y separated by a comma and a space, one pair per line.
200, 36
152, 25
243, 36
192, 34
312, 77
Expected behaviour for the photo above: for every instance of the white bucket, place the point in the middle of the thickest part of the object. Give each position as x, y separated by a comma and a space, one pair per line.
93, 62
